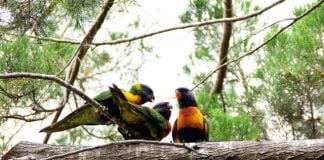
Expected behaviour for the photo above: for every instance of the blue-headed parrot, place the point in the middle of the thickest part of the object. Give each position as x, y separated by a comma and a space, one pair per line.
190, 126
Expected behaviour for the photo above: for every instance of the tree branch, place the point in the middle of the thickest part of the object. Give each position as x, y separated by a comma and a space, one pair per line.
84, 45
197, 24
140, 149
296, 19
75, 61
23, 117
261, 30
50, 78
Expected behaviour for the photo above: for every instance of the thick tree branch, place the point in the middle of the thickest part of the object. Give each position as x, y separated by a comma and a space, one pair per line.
228, 12
197, 24
294, 20
140, 149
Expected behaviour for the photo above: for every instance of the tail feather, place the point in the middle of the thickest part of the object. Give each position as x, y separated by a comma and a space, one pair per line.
85, 115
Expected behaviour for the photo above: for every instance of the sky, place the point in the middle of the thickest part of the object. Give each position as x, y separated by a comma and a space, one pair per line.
164, 74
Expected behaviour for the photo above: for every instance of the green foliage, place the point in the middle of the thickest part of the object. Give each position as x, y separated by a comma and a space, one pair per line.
199, 10
100, 59
23, 55
79, 11
292, 76
203, 53
117, 35
208, 38
46, 13
224, 126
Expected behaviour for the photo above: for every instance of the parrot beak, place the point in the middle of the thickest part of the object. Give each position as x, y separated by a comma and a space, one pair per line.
170, 107
151, 99
178, 94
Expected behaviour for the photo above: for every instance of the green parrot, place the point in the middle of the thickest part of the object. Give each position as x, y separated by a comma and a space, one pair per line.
149, 122
90, 115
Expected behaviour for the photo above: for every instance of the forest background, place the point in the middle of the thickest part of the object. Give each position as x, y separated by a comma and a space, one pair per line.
271, 88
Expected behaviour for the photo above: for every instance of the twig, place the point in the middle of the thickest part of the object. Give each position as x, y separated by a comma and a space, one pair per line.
22, 117
196, 24
110, 137
5, 145
261, 45
261, 30
14, 96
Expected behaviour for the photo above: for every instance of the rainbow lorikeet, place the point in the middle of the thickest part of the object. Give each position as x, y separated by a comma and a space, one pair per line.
190, 126
90, 115
153, 124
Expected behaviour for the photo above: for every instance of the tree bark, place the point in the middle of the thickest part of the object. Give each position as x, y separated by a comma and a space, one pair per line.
140, 149
228, 13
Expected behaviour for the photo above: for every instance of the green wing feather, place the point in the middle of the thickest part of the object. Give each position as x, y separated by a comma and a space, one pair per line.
85, 115
102, 96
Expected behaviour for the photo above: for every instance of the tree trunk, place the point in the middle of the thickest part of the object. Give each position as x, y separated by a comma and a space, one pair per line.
228, 13
140, 149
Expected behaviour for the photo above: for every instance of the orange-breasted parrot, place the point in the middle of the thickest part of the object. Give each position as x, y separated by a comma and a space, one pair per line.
190, 126
90, 115
149, 122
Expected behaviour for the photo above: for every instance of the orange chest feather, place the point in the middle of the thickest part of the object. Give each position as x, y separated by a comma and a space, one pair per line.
190, 117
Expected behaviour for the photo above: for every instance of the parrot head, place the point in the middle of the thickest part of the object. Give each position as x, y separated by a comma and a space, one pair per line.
185, 97
164, 108
144, 91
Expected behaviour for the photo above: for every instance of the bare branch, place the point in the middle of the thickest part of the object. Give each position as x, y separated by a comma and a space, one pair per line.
197, 24
5, 144
261, 45
23, 117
